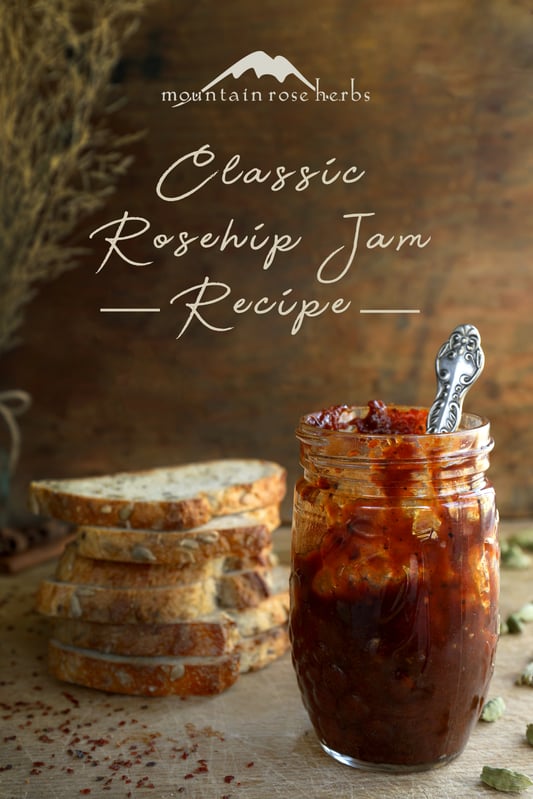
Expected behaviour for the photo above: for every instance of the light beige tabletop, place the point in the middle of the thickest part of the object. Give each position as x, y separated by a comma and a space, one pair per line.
62, 741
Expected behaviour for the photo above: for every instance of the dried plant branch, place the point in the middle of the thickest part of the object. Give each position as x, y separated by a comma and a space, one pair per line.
59, 160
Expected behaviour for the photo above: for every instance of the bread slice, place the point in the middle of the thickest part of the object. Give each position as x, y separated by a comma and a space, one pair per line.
173, 498
212, 635
240, 535
126, 605
143, 676
270, 612
162, 676
75, 568
257, 651
244, 589
160, 605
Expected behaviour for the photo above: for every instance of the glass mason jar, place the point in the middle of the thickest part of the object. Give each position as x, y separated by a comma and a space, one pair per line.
394, 591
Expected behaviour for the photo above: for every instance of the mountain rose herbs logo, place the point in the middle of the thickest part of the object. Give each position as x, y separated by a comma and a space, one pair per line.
263, 64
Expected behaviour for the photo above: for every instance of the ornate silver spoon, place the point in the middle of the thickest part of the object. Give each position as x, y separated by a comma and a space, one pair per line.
458, 365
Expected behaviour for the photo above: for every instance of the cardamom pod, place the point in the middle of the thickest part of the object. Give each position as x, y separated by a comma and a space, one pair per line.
504, 779
514, 623
529, 734
526, 678
493, 709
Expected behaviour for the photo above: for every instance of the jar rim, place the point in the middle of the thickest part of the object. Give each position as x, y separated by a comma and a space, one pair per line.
471, 438
469, 422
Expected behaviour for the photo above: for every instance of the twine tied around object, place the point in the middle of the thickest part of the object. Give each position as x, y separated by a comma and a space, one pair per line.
13, 404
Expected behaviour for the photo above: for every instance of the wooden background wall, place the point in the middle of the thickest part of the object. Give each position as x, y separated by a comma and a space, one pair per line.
446, 143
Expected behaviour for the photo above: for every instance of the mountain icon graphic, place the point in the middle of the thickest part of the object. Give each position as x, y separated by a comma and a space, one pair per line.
262, 64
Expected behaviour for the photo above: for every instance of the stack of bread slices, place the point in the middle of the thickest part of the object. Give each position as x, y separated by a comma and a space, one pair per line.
171, 585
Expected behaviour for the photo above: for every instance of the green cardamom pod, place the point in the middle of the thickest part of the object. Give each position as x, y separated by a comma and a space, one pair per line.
526, 678
515, 623
504, 779
529, 734
493, 709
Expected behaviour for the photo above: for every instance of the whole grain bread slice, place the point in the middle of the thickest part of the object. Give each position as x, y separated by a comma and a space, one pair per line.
173, 498
257, 651
143, 676
244, 589
240, 535
75, 568
212, 635
126, 605
270, 612
158, 605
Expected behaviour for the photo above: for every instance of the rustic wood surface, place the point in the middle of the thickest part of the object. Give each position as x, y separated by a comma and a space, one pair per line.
446, 142
254, 741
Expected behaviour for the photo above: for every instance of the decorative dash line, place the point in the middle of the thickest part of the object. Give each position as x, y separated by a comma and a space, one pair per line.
389, 310
130, 310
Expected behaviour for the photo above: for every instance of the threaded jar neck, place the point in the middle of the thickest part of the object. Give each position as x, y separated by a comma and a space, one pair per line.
443, 461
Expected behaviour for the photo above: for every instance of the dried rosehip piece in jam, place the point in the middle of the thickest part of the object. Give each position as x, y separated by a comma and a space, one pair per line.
381, 419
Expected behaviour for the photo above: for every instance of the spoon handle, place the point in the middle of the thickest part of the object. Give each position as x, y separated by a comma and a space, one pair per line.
458, 365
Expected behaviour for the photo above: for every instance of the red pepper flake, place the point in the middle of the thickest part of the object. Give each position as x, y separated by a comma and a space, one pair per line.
188, 777
98, 741
116, 764
71, 698
8, 767
85, 791
46, 739
229, 778
38, 764
250, 764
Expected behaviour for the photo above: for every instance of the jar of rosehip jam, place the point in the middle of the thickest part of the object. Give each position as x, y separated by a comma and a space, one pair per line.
394, 584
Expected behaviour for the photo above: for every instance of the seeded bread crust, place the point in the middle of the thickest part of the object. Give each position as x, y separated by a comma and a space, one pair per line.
241, 535
143, 676
174, 498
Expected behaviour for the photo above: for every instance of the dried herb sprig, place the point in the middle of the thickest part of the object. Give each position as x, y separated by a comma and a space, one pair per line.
59, 160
